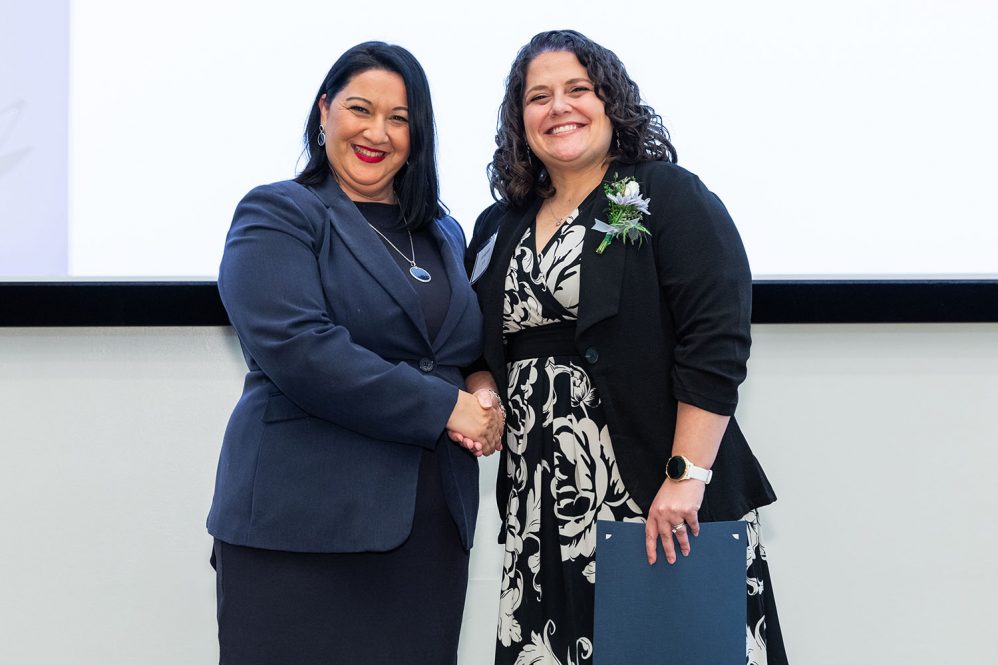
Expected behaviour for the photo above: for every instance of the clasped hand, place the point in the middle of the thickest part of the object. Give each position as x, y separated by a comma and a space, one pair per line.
476, 423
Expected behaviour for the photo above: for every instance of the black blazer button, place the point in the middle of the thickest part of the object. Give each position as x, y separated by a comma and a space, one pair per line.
591, 355
426, 364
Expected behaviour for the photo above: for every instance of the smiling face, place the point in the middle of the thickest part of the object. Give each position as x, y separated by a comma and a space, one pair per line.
367, 134
565, 122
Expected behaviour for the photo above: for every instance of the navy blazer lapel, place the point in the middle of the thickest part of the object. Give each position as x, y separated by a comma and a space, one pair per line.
601, 274
347, 222
451, 252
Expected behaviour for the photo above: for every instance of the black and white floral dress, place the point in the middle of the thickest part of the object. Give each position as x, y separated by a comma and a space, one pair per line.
564, 477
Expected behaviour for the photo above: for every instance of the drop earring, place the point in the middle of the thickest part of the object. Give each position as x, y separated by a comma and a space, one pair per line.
321, 139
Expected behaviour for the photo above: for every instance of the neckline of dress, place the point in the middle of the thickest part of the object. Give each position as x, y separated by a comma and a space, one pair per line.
566, 222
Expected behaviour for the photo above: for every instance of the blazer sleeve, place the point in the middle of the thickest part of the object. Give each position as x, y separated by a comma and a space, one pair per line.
270, 285
705, 277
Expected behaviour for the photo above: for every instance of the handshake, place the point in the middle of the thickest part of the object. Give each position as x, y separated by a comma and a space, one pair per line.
477, 422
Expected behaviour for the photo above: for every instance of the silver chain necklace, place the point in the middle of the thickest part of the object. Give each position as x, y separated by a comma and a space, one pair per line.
418, 274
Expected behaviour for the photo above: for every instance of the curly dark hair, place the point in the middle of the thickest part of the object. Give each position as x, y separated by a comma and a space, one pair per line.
639, 135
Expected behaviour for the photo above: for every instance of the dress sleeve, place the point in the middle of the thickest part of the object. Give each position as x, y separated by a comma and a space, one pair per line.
705, 277
270, 285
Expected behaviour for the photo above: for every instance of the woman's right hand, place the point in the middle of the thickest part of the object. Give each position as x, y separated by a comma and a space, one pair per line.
476, 423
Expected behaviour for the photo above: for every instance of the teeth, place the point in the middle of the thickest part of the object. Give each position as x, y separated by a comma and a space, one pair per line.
368, 153
564, 128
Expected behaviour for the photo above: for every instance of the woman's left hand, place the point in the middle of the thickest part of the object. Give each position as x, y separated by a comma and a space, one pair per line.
676, 503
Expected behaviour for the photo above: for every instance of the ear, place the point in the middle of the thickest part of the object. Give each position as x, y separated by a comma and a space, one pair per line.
323, 109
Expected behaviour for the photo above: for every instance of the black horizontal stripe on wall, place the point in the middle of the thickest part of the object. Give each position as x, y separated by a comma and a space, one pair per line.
774, 301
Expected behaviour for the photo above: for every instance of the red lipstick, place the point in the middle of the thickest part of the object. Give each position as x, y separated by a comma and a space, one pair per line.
363, 155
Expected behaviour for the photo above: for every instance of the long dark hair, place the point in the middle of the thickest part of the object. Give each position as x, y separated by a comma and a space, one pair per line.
416, 184
639, 135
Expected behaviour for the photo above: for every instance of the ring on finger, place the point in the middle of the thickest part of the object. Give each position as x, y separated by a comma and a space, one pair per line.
676, 528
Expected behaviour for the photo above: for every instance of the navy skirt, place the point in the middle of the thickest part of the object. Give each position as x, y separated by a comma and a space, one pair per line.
401, 606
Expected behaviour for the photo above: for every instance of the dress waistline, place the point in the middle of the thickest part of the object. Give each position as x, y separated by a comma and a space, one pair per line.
553, 339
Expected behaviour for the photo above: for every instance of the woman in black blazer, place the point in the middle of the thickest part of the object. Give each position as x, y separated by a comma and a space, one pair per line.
342, 513
616, 297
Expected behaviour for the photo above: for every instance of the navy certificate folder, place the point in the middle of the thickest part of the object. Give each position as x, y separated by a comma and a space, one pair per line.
689, 613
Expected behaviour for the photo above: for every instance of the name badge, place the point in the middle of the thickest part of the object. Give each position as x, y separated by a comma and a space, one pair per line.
483, 258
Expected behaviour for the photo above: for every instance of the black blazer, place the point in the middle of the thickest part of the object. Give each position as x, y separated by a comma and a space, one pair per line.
345, 389
658, 323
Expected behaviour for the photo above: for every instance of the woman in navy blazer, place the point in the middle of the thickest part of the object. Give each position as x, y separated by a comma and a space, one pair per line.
342, 513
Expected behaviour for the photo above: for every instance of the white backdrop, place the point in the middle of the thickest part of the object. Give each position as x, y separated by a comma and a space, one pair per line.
846, 138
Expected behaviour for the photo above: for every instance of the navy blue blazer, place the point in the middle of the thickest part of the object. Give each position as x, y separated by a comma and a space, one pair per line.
345, 390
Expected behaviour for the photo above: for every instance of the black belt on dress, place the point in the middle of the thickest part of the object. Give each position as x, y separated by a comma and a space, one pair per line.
553, 339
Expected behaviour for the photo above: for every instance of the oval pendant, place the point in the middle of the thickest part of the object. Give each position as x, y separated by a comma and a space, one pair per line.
419, 274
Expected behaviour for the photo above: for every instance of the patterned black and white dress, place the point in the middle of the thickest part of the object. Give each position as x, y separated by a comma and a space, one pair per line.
564, 477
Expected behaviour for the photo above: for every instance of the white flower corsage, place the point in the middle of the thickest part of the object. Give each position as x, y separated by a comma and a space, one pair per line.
627, 207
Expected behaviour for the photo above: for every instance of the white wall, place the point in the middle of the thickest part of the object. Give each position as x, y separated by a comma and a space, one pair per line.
878, 439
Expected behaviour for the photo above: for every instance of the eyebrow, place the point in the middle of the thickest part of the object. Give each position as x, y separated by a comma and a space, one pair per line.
368, 101
568, 82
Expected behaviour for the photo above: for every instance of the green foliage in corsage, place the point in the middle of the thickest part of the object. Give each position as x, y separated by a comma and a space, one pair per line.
627, 208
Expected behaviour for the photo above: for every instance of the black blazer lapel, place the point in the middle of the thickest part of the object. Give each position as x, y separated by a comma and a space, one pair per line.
602, 274
490, 287
510, 229
370, 251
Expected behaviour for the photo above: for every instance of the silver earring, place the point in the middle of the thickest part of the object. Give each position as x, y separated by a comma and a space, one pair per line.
321, 140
